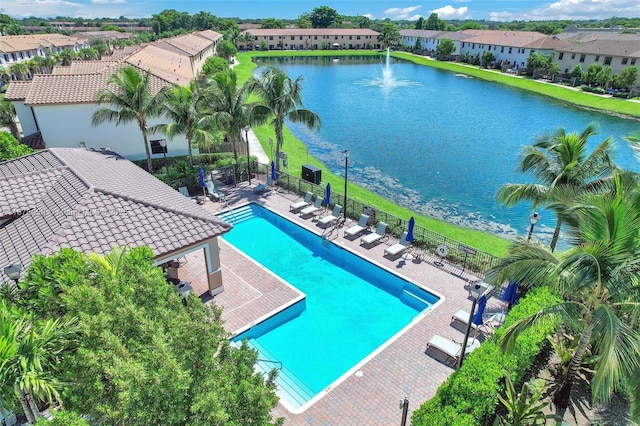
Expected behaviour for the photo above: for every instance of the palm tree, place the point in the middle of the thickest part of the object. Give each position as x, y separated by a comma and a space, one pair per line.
30, 350
20, 70
228, 106
8, 117
280, 98
132, 101
562, 166
598, 278
181, 105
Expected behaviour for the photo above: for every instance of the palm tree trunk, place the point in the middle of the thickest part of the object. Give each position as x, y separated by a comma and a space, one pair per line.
34, 407
22, 396
556, 235
235, 160
146, 149
278, 146
561, 396
190, 151
14, 129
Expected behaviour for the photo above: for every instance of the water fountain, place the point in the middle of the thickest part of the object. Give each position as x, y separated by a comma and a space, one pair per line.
387, 82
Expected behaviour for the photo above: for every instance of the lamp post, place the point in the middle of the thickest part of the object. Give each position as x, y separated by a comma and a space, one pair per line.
533, 219
163, 144
346, 169
246, 138
404, 406
476, 291
13, 272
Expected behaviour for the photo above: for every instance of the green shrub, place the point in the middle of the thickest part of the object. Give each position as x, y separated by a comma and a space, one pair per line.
469, 396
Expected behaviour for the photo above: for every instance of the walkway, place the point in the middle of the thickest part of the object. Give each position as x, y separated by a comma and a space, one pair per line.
401, 369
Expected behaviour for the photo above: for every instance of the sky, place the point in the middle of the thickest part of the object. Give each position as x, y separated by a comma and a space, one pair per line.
493, 10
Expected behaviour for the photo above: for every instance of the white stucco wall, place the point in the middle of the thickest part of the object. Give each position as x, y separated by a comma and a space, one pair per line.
514, 55
27, 123
70, 126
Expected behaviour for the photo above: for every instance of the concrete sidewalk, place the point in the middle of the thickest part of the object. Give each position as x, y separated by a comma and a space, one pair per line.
255, 149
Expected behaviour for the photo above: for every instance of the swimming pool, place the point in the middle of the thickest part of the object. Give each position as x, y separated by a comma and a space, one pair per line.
353, 308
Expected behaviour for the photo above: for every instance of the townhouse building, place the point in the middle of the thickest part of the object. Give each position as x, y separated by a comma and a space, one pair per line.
615, 53
309, 39
20, 48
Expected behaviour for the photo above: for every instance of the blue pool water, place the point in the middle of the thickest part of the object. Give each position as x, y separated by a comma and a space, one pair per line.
352, 306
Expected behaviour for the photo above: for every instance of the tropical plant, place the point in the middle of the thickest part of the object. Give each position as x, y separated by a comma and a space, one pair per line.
30, 353
598, 278
280, 98
181, 106
8, 119
563, 168
20, 70
66, 56
246, 38
390, 35
132, 101
523, 408
446, 48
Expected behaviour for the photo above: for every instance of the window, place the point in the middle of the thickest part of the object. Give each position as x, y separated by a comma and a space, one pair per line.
358, 37
573, 56
315, 37
474, 46
624, 61
607, 60
582, 57
270, 37
560, 56
350, 37
502, 49
293, 37
597, 58
300, 37
510, 50
633, 61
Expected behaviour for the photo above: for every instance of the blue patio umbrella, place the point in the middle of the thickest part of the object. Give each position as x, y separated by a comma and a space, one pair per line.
201, 176
510, 293
327, 197
412, 222
273, 172
513, 296
477, 318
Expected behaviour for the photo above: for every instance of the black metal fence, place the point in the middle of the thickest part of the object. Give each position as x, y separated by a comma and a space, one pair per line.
430, 243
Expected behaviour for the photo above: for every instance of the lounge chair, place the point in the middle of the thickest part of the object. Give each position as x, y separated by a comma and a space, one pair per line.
308, 211
302, 203
399, 247
262, 187
184, 191
376, 236
491, 322
212, 192
357, 229
331, 218
450, 348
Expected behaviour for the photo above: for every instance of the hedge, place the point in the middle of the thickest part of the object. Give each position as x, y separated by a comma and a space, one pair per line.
469, 396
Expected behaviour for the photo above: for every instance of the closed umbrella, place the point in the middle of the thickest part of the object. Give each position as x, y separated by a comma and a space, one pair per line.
513, 297
410, 229
477, 318
508, 292
327, 196
201, 176
273, 172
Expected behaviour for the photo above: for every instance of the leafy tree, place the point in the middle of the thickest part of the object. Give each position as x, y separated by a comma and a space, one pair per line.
214, 64
564, 170
100, 46
272, 23
626, 78
88, 54
31, 351
143, 354
170, 20
323, 17
418, 45
419, 23
246, 38
132, 101
66, 56
598, 280
554, 70
597, 75
445, 48
576, 71
304, 21
226, 49
203, 21
280, 98
487, 58
10, 147
390, 35
434, 23
362, 21
63, 418
539, 61
20, 70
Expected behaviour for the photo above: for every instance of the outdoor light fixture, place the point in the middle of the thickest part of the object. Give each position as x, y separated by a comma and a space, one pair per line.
476, 291
346, 168
163, 144
533, 219
13, 271
246, 138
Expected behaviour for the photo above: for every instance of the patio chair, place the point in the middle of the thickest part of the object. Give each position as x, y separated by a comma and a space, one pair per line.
398, 248
262, 187
311, 210
331, 218
184, 191
302, 203
212, 192
452, 349
376, 236
357, 229
489, 324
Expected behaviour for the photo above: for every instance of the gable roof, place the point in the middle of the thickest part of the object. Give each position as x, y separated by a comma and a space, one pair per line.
92, 201
623, 48
20, 43
209, 35
190, 44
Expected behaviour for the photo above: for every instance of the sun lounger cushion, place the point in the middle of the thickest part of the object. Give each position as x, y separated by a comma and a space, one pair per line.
399, 247
372, 238
314, 208
302, 203
356, 229
328, 219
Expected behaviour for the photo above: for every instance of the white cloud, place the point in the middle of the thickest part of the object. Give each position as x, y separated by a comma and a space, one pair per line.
574, 9
401, 12
368, 15
108, 1
73, 8
450, 12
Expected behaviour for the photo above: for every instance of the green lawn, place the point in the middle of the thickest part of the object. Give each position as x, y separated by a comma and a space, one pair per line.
297, 151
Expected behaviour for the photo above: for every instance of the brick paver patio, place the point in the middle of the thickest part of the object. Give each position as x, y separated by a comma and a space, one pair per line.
403, 368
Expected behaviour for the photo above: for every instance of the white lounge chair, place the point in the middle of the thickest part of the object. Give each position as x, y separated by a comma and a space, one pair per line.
360, 227
450, 348
491, 322
184, 191
331, 218
399, 247
212, 192
312, 209
302, 203
376, 236
262, 187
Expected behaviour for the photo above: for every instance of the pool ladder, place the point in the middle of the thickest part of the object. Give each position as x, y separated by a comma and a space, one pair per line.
271, 361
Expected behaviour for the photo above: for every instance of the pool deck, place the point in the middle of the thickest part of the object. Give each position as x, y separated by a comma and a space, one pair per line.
404, 368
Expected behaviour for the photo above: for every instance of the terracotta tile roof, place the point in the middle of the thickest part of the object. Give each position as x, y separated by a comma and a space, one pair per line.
170, 66
21, 43
191, 44
624, 48
34, 141
84, 67
452, 35
17, 90
210, 35
313, 31
506, 38
93, 201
